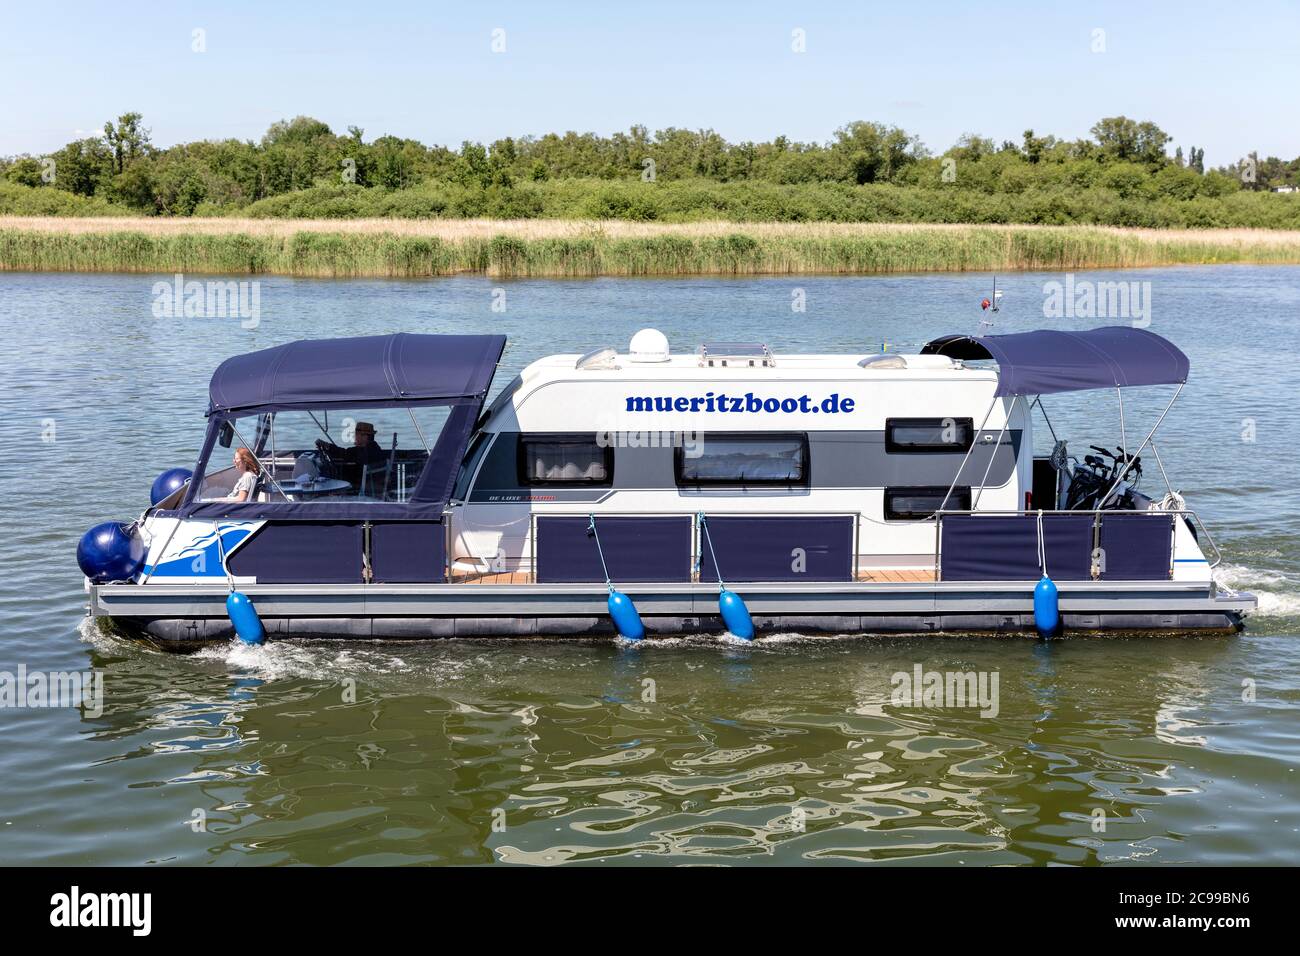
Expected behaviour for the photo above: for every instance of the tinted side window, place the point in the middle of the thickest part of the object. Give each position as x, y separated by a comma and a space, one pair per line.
916, 504
564, 460
748, 459
928, 434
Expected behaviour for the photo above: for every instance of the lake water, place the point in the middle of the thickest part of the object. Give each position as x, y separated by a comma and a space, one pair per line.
540, 753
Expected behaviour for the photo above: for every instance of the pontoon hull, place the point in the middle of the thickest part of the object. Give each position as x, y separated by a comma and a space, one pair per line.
182, 615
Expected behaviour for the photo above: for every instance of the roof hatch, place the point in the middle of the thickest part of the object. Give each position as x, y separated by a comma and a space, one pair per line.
742, 354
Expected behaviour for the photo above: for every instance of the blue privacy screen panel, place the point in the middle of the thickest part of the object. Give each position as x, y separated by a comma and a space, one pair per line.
778, 548
405, 552
1005, 547
301, 553
637, 550
1137, 545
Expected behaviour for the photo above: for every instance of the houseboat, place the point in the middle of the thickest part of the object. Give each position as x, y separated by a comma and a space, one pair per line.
364, 488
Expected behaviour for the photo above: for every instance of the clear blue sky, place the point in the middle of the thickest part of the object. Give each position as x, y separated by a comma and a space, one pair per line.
1223, 76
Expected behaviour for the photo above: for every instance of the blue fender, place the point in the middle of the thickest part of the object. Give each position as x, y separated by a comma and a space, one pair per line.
168, 482
735, 615
248, 626
623, 613
1047, 610
111, 551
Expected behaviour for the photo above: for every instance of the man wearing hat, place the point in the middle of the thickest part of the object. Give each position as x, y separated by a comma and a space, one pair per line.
348, 462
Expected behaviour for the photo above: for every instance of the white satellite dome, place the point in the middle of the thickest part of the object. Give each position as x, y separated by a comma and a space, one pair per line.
648, 345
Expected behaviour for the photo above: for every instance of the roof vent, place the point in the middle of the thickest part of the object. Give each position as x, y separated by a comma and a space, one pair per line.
648, 345
883, 361
731, 354
602, 358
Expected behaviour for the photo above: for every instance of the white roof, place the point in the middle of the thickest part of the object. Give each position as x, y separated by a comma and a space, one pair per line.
687, 367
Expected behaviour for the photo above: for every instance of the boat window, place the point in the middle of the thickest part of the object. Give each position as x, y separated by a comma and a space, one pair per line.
915, 504
928, 434
324, 456
744, 459
503, 398
564, 460
477, 446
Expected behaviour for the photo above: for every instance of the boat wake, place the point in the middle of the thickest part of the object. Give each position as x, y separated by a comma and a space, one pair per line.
1278, 592
285, 660
730, 641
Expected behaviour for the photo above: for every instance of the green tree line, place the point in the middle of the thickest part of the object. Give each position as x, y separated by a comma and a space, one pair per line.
1122, 174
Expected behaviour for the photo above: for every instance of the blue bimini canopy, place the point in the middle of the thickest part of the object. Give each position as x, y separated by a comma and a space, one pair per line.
401, 369
1047, 360
379, 371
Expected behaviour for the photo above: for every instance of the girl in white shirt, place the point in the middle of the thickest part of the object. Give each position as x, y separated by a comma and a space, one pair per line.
246, 465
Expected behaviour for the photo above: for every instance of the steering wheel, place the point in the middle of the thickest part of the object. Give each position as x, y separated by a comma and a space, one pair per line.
325, 458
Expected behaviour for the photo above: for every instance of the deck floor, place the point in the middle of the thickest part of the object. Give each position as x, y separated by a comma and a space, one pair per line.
865, 575
896, 575
490, 577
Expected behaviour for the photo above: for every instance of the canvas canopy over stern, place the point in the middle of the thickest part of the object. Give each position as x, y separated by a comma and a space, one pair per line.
1048, 361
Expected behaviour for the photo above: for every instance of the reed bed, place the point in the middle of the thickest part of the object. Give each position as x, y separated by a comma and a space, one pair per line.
573, 248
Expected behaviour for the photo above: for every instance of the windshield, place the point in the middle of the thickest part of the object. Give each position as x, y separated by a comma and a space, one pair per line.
374, 455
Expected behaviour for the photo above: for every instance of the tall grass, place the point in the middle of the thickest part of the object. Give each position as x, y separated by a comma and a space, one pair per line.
590, 249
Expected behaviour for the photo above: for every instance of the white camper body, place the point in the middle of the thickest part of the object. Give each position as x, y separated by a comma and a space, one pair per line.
654, 416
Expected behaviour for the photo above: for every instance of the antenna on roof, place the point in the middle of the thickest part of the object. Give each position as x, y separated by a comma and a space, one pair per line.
990, 305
